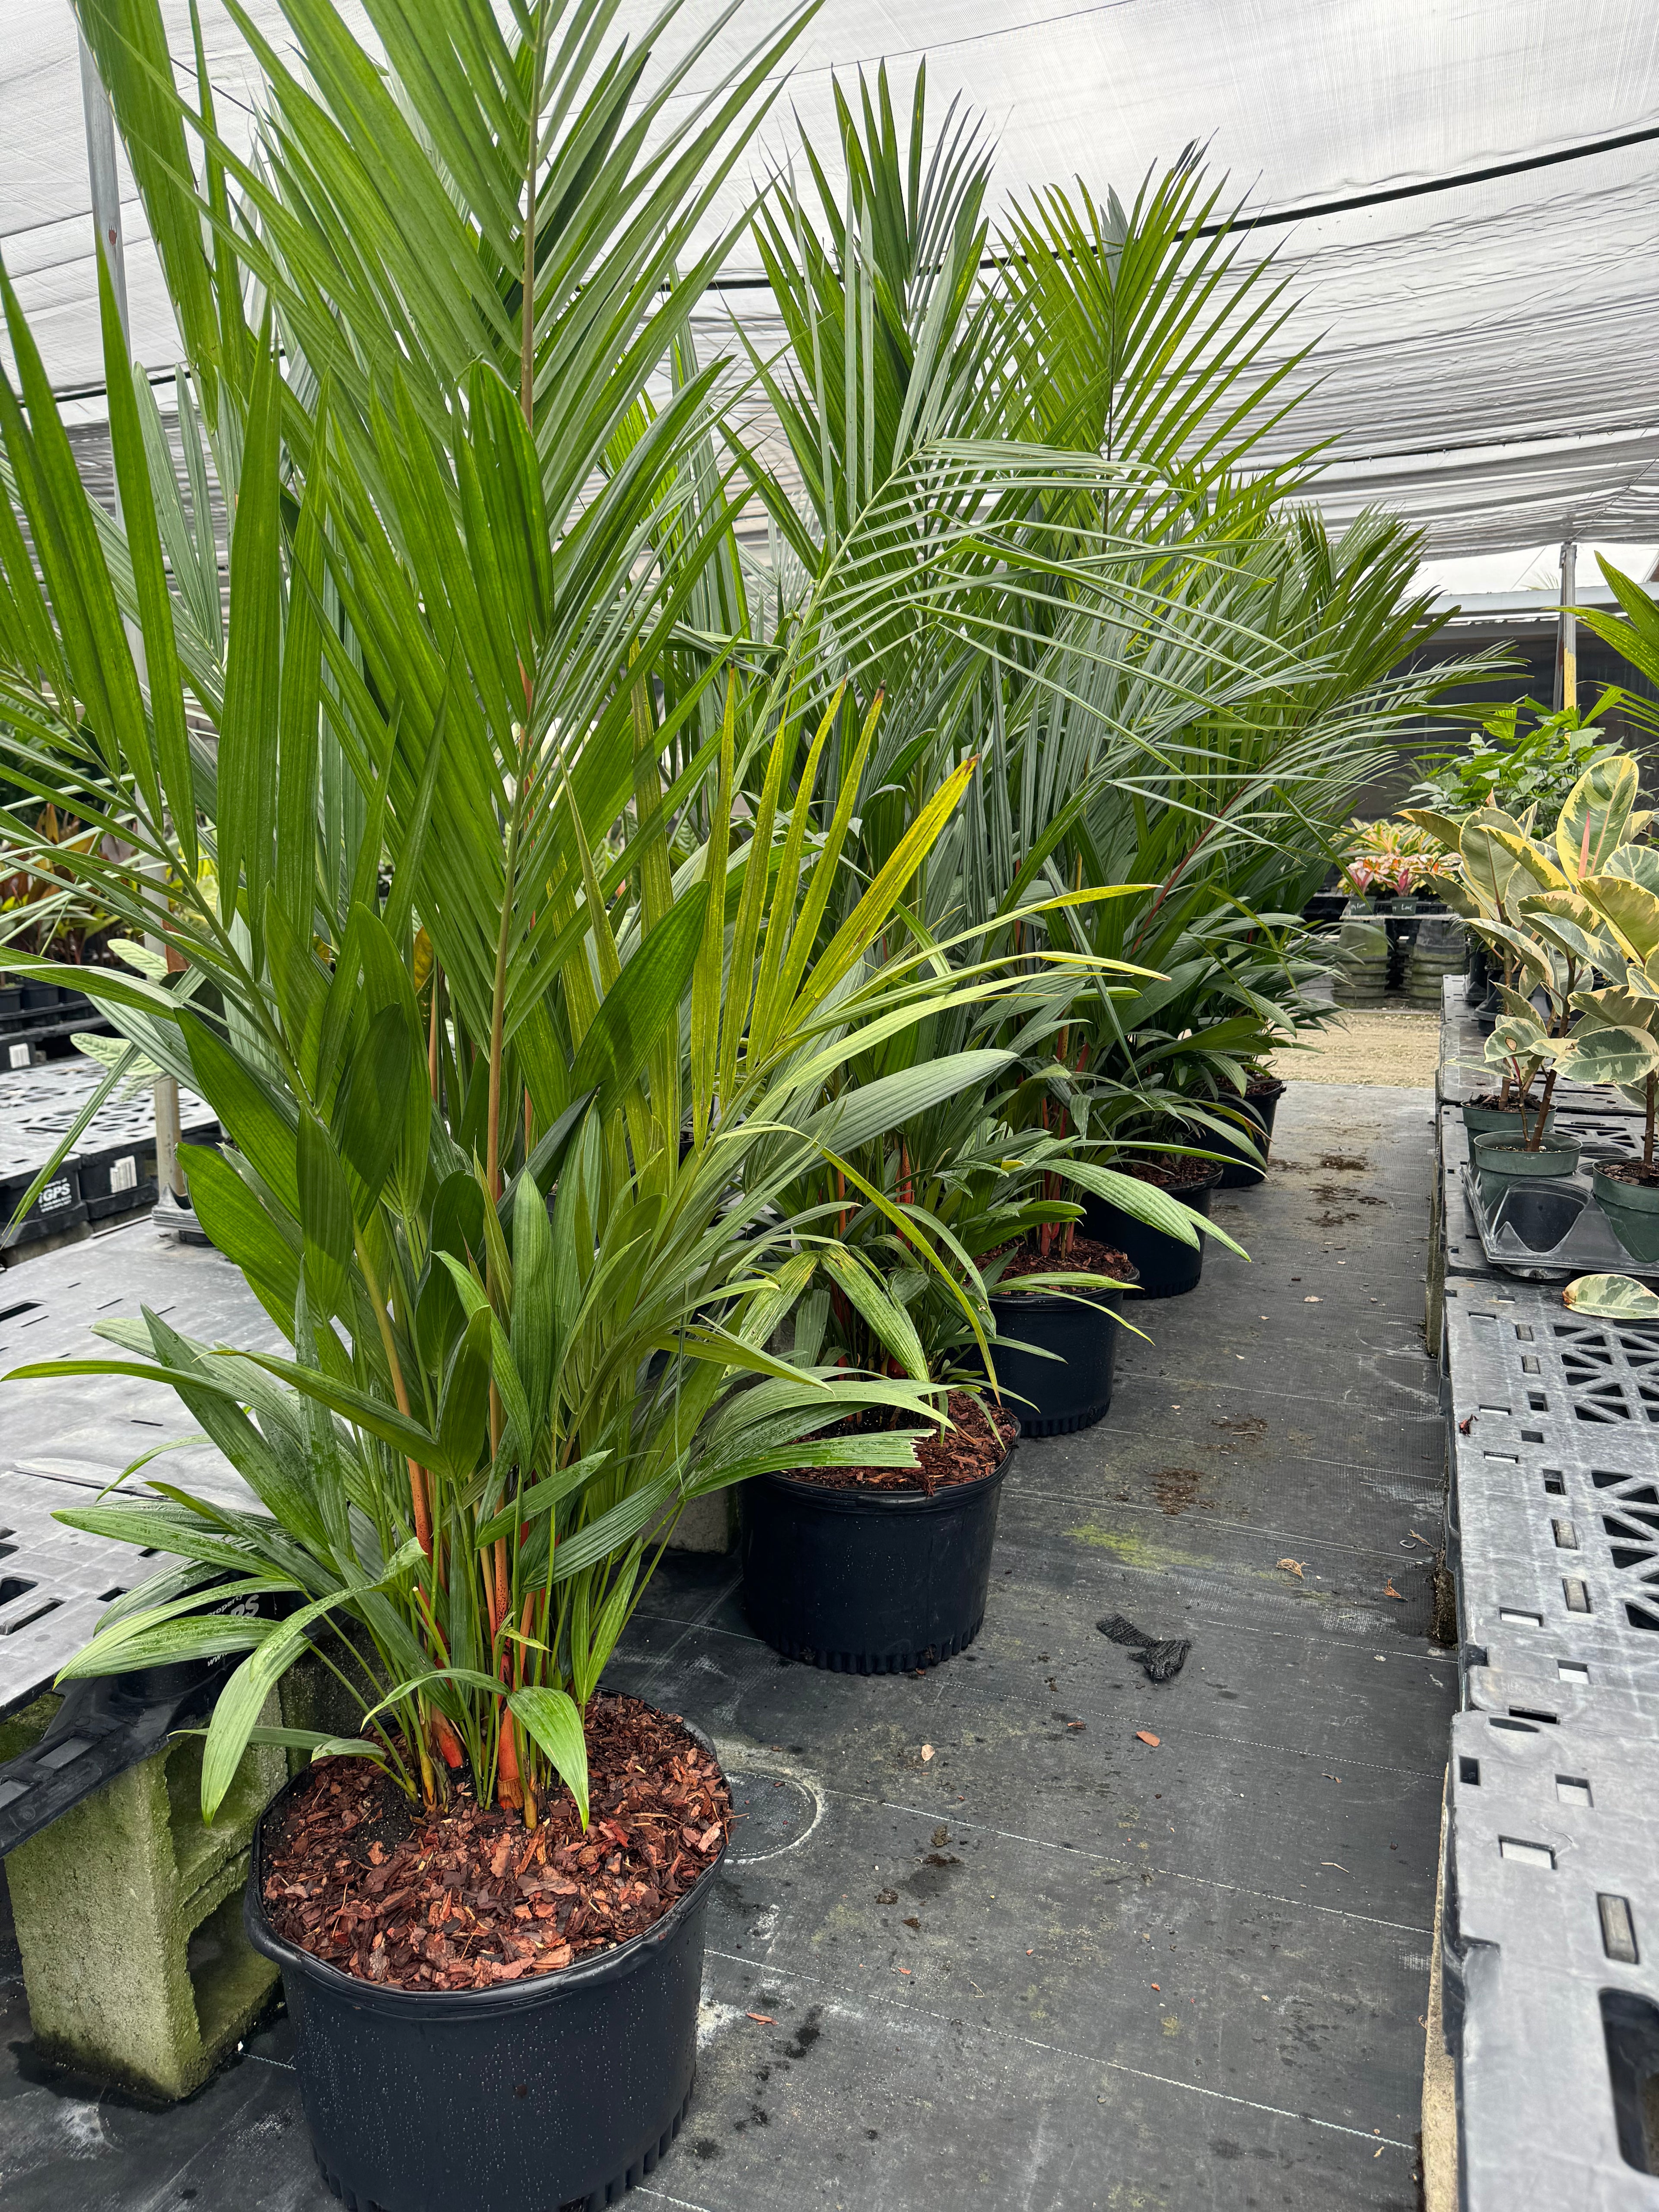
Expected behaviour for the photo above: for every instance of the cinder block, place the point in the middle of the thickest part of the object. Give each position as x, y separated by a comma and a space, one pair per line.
127, 1911
707, 1524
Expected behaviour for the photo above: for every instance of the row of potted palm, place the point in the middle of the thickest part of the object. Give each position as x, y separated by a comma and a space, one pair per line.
674, 1028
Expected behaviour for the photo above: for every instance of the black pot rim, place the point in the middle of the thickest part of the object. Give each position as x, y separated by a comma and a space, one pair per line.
614, 1965
1274, 1087
949, 1497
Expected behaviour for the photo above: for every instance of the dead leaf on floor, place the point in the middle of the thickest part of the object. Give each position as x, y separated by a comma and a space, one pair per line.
1146, 1735
1292, 1567
926, 1751
764, 2018
1390, 1591
1313, 1301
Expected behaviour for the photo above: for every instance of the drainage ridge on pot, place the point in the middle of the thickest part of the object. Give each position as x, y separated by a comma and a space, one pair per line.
1072, 1388
567, 2086
868, 1582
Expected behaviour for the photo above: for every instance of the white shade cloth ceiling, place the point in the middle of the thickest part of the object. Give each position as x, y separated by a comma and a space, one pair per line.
1488, 354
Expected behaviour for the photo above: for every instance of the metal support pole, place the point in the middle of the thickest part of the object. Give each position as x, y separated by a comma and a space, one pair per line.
104, 180
1568, 644
105, 185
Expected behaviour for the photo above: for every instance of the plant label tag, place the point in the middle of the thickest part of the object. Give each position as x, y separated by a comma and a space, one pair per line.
124, 1175
18, 1056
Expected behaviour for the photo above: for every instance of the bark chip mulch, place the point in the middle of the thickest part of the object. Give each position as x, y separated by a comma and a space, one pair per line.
974, 1447
1170, 1171
1086, 1257
1632, 1171
465, 1898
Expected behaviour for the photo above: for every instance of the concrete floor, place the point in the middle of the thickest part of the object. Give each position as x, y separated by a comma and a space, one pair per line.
1009, 1960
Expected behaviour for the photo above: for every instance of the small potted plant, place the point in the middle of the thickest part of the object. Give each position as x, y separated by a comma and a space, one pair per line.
1522, 1046
1385, 862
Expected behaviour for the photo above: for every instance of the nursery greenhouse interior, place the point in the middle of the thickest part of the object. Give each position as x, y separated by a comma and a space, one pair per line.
829, 981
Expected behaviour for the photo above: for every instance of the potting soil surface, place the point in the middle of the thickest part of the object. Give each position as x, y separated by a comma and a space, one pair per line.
1030, 1930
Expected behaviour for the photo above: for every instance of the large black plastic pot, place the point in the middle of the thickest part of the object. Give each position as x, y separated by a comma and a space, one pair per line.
1243, 1171
868, 1582
1168, 1268
1072, 1388
563, 2089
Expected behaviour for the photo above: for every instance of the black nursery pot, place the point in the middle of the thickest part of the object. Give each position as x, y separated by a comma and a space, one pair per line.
1242, 1171
868, 1582
1052, 1399
1168, 1268
563, 2089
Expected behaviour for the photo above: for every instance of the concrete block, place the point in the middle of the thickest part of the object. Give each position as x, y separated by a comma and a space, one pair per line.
707, 1524
127, 1911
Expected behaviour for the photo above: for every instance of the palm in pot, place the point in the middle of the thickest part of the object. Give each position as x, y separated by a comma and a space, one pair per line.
508, 934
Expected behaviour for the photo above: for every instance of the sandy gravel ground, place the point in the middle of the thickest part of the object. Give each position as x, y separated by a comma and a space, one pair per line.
1361, 1045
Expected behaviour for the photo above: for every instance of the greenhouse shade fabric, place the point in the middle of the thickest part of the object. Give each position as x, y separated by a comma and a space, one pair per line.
1486, 363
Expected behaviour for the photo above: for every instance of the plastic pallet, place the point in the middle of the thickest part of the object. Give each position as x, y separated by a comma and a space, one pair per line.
1550, 1962
1560, 1681
1461, 1250
113, 1163
54, 1584
1521, 1354
1553, 1513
